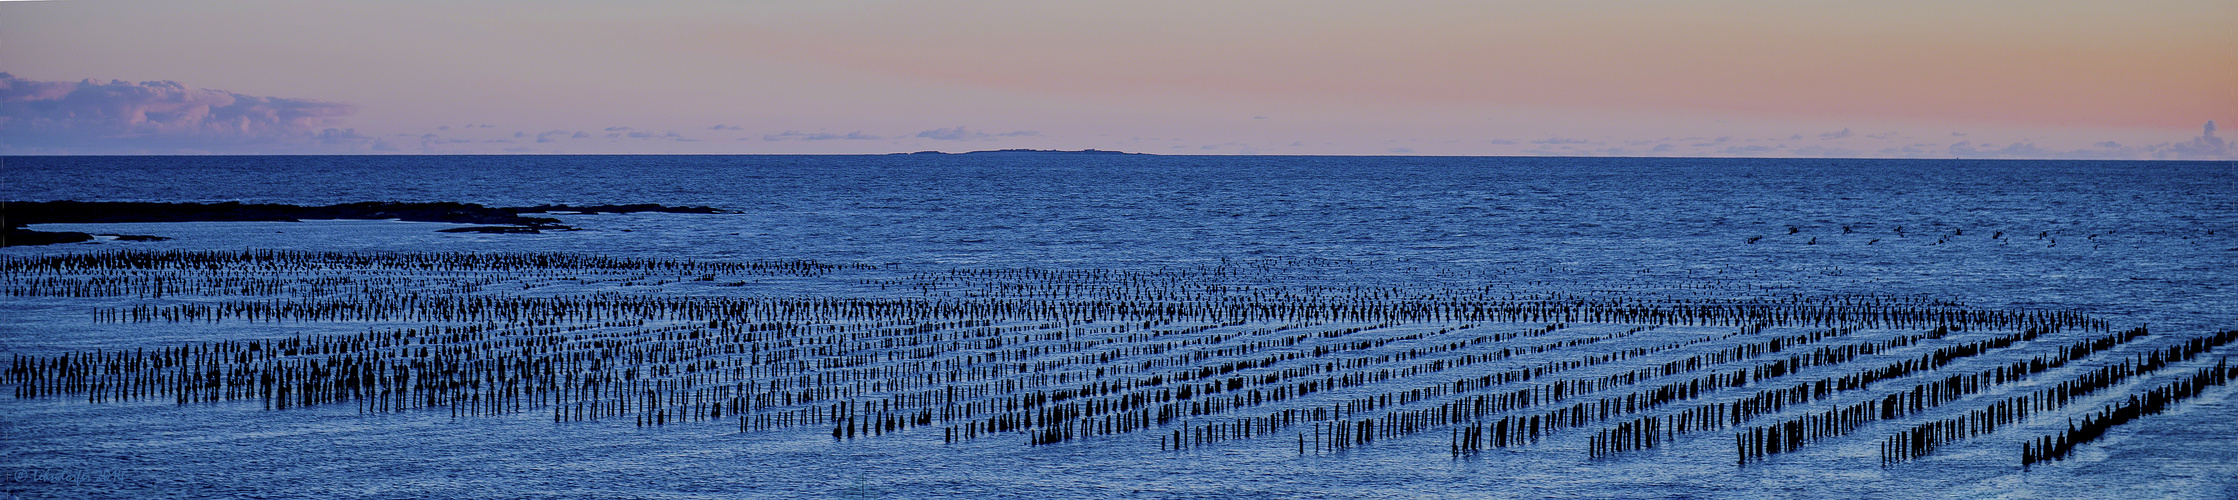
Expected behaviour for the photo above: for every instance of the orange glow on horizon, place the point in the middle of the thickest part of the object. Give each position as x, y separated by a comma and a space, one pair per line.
1636, 61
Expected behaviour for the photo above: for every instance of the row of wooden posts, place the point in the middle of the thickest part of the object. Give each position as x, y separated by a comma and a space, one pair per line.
1344, 368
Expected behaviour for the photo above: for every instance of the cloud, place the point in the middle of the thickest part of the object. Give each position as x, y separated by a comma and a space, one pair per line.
719, 126
959, 133
2015, 150
1834, 135
339, 136
2206, 146
1750, 150
91, 117
795, 135
1825, 152
1912, 151
640, 134
617, 129
626, 132
1559, 140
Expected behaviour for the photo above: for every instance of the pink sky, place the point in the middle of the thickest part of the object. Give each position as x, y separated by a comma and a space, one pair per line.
2037, 79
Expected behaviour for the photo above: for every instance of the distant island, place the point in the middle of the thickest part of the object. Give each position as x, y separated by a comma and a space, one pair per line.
18, 214
1027, 152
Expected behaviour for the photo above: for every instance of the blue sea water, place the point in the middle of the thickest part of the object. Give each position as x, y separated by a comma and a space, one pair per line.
2138, 243
2154, 241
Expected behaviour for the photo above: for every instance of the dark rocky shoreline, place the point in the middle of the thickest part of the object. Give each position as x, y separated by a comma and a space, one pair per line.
18, 214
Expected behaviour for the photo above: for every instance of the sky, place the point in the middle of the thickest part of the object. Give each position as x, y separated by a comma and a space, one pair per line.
2136, 79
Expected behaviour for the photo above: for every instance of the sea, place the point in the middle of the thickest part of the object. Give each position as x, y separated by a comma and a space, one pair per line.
2137, 243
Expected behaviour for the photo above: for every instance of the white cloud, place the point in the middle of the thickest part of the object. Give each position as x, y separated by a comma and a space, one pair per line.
2204, 147
795, 135
959, 133
91, 117
1559, 140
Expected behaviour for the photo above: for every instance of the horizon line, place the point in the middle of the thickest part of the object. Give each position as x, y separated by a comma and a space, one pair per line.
1107, 153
